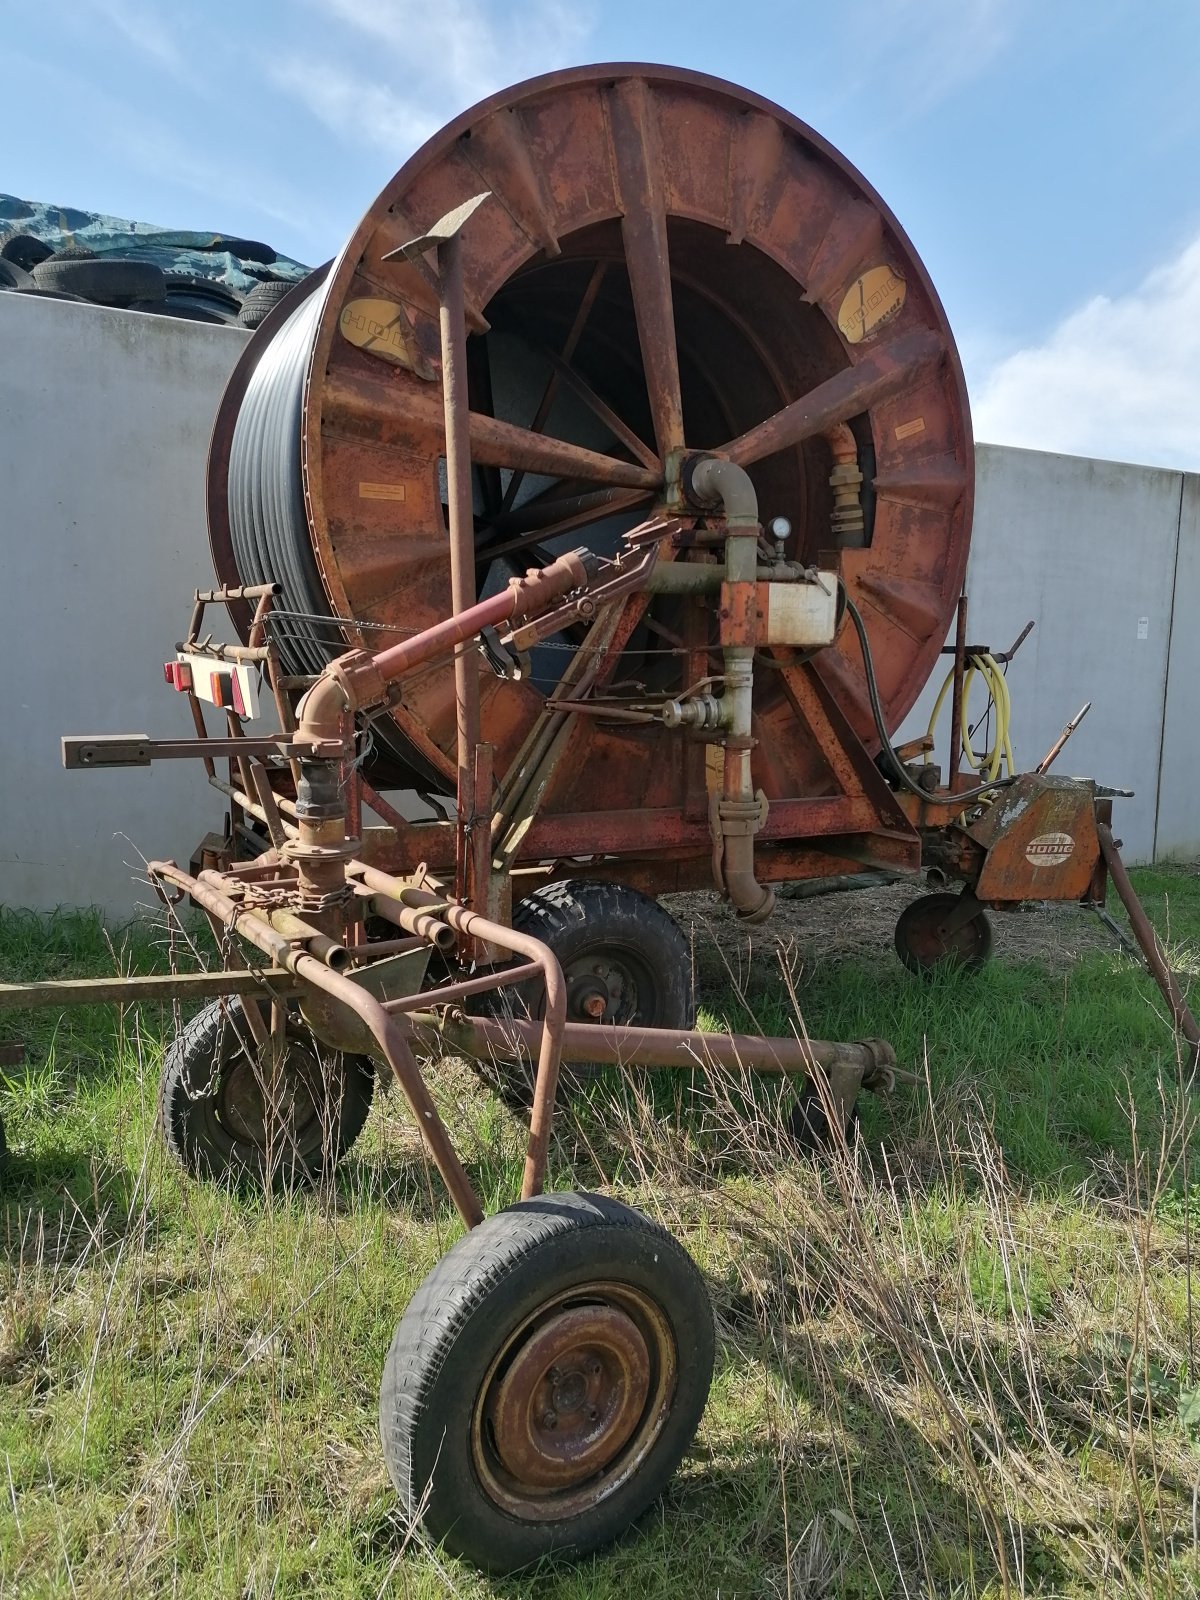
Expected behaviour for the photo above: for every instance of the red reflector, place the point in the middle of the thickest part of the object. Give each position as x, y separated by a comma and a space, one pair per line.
218, 683
183, 676
169, 671
239, 704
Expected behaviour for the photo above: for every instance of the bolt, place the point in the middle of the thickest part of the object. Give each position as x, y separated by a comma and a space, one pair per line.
594, 1368
554, 1374
550, 1419
592, 1414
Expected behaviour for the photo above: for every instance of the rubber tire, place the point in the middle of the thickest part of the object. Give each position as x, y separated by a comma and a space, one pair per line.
13, 276
108, 281
572, 917
808, 1123
206, 1149
25, 251
930, 905
262, 300
486, 1286
216, 295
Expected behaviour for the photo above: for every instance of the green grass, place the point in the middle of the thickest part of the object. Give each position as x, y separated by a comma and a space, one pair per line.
960, 1362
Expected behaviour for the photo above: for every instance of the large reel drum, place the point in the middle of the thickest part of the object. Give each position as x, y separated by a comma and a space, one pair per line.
667, 264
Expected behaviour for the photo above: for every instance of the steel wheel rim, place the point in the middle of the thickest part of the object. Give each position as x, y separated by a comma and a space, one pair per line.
243, 1093
931, 947
611, 986
573, 1402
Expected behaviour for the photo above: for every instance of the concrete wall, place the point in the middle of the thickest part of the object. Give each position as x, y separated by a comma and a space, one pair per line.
1088, 549
104, 424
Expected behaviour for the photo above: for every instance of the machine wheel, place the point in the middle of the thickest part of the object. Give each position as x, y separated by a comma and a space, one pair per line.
809, 1126
626, 961
924, 946
110, 281
215, 1107
546, 1380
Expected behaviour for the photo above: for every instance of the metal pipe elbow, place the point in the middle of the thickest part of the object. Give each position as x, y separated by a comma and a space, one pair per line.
753, 901
712, 481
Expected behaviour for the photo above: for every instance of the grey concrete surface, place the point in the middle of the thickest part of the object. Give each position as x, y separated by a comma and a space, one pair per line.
104, 426
1087, 550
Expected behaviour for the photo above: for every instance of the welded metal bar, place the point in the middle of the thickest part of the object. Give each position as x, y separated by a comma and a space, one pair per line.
141, 988
462, 538
960, 661
890, 368
501, 979
616, 425
1182, 1019
658, 1047
639, 174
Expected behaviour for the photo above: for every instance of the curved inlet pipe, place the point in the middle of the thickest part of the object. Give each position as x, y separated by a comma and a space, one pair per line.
739, 814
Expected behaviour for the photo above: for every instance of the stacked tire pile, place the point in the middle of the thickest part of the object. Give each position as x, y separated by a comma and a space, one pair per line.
29, 265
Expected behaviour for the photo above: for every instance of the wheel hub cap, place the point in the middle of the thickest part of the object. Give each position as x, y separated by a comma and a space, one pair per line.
572, 1397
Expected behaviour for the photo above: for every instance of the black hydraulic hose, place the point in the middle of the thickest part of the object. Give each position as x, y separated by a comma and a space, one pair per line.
267, 522
885, 739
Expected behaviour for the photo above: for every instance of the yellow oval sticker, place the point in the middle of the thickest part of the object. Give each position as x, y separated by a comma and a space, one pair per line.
380, 327
870, 301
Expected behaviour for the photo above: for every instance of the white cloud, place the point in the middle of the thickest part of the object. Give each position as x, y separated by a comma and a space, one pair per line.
143, 30
1119, 378
366, 112
429, 59
904, 57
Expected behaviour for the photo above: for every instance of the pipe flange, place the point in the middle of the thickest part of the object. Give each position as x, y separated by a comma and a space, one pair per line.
298, 850
880, 1077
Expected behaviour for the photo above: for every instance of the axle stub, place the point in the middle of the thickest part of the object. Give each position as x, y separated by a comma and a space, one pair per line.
546, 1380
231, 1114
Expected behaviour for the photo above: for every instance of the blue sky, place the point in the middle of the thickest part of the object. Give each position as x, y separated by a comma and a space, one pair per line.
1042, 156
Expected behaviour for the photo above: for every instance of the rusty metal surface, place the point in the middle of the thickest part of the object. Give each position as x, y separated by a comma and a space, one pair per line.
1041, 842
571, 1397
574, 1401
1182, 1019
667, 261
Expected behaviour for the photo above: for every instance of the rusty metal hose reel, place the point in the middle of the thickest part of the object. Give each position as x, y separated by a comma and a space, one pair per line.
668, 264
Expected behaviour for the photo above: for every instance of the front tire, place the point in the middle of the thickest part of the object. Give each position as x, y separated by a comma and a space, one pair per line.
222, 1121
546, 1380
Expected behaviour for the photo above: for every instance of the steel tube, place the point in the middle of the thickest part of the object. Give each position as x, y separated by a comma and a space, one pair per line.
549, 1030
346, 993
1181, 1016
461, 520
654, 1048
142, 988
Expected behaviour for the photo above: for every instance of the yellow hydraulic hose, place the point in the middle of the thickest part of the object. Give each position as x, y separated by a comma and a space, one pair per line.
988, 762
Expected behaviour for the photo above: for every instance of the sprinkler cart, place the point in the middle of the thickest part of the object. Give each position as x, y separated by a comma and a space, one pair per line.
611, 491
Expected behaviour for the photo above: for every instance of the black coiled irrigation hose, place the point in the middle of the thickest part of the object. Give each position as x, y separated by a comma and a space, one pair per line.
896, 766
267, 522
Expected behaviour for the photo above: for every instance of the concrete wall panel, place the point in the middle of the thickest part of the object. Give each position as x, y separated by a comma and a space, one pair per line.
104, 424
1178, 822
1086, 549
